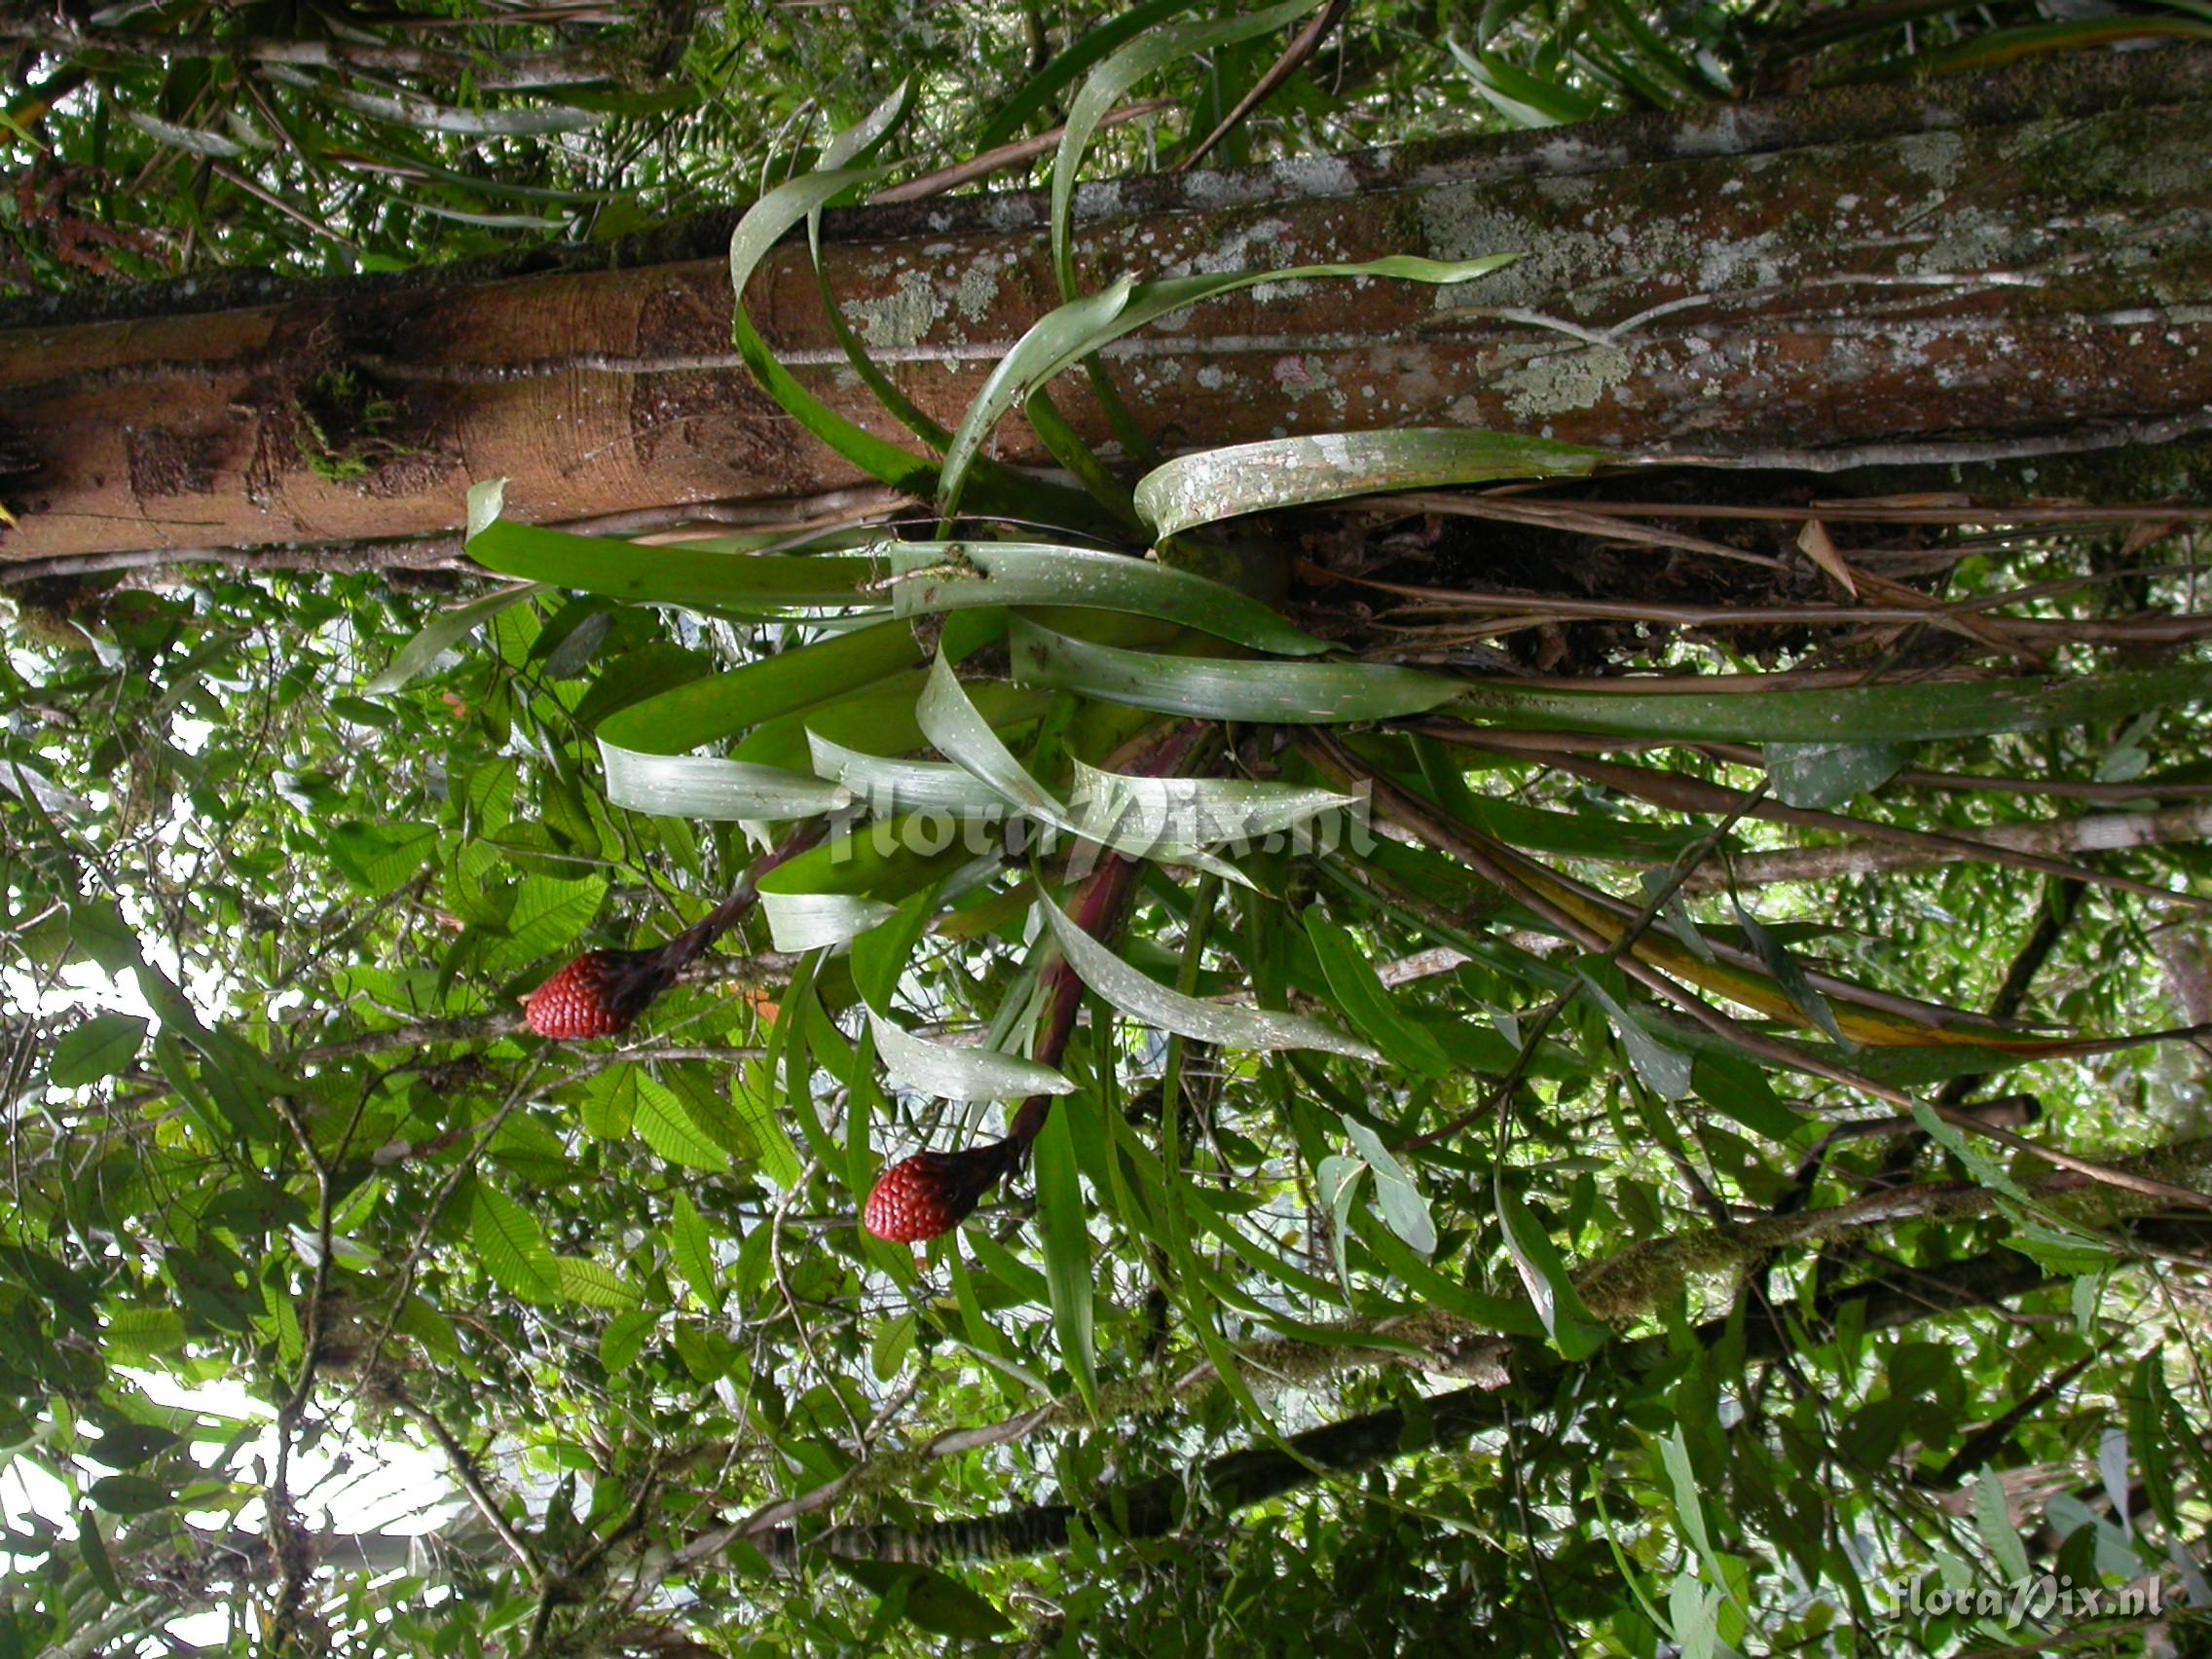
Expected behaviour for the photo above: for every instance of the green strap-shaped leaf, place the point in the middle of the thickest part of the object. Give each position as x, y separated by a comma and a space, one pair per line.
1358, 990
1522, 98
810, 921
698, 786
766, 224
707, 710
1065, 336
960, 1074
930, 578
960, 732
893, 787
1288, 472
1145, 999
1089, 47
1103, 90
1195, 811
1922, 710
1218, 688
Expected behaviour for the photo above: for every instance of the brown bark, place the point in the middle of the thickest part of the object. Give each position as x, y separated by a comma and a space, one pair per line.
2017, 264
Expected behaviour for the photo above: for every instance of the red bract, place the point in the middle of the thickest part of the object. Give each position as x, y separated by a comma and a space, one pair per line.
597, 994
932, 1193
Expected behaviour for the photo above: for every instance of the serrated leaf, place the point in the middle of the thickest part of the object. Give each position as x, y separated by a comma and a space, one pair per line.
624, 1338
692, 1246
664, 1122
512, 1246
142, 1333
587, 1283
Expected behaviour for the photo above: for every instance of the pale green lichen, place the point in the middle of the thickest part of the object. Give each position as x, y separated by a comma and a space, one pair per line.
900, 318
1559, 382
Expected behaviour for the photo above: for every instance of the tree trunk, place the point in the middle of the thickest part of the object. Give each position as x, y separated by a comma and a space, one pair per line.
2014, 265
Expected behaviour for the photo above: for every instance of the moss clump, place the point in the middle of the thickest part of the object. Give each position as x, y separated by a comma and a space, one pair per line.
339, 425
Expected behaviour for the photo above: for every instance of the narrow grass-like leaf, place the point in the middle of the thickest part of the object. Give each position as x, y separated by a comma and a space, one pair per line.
1147, 1000
936, 577
1522, 98
1288, 472
193, 140
961, 1073
1079, 328
1065, 1233
765, 223
1088, 47
1219, 689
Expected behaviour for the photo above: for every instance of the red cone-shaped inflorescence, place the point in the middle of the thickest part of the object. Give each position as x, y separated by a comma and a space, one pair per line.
934, 1191
597, 994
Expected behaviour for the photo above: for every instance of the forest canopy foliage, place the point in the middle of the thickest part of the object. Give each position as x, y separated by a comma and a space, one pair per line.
1570, 1061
